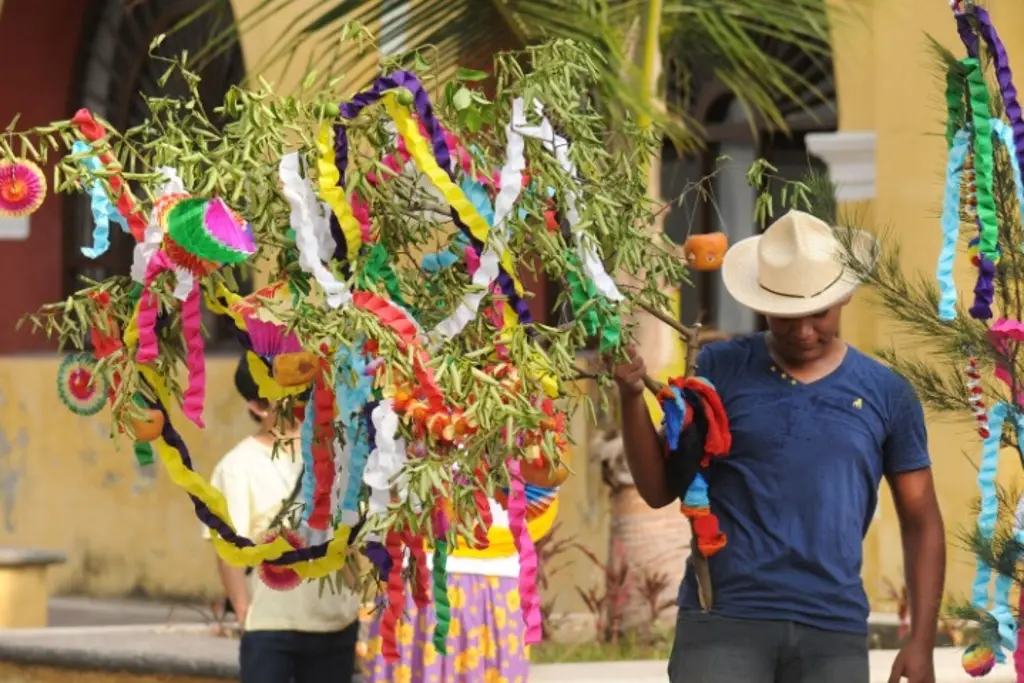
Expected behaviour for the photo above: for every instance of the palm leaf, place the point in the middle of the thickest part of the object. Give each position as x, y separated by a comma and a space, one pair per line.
724, 39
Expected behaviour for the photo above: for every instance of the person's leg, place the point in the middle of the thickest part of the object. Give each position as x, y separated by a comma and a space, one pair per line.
713, 649
327, 657
812, 655
266, 657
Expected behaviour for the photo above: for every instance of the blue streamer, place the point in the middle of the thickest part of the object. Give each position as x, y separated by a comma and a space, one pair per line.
987, 519
308, 475
102, 210
353, 389
674, 418
951, 226
1004, 133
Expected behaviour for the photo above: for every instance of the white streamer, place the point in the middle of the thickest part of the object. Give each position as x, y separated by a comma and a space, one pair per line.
305, 210
387, 458
585, 244
497, 238
184, 284
154, 235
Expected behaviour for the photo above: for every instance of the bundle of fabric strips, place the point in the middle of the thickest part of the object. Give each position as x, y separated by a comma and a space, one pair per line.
378, 404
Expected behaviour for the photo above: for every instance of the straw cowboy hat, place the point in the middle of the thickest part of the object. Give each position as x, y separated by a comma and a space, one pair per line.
797, 267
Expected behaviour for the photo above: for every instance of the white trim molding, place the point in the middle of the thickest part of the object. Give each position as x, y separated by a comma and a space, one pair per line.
850, 156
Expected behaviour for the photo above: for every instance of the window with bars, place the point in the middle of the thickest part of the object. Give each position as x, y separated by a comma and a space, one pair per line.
115, 71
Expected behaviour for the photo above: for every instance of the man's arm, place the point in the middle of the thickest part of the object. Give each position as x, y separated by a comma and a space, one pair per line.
924, 549
644, 448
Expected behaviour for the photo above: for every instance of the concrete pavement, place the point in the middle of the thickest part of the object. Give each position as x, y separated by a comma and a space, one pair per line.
83, 628
947, 670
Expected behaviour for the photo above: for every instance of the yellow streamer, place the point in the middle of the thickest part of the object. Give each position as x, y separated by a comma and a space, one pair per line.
251, 556
328, 176
501, 542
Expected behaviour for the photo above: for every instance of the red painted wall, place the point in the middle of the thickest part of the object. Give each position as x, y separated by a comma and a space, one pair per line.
38, 45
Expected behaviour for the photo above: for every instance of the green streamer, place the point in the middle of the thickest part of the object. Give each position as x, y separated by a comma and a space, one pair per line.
956, 118
441, 605
981, 115
598, 315
143, 453
378, 269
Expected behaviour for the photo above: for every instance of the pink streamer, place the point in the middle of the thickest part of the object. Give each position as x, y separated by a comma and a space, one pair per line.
529, 599
149, 308
195, 359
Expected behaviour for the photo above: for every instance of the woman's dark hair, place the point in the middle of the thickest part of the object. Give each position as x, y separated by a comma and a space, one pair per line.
247, 387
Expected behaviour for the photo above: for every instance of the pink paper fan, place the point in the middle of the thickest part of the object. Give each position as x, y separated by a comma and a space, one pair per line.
228, 228
281, 578
22, 188
270, 339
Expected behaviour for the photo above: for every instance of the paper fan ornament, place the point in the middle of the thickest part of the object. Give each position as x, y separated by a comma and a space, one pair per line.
80, 388
204, 234
281, 578
22, 188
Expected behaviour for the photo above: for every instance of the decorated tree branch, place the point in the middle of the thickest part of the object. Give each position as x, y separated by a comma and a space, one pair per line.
977, 335
391, 227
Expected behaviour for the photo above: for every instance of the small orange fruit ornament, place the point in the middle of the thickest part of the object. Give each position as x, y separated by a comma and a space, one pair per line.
149, 427
706, 252
537, 470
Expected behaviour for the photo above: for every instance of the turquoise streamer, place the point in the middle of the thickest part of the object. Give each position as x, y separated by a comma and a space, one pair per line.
308, 476
987, 519
1004, 133
102, 210
353, 390
951, 226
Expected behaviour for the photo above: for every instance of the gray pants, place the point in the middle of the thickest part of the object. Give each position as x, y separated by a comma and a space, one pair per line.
713, 649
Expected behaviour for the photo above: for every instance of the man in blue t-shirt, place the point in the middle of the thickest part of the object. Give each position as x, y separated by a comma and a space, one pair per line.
815, 426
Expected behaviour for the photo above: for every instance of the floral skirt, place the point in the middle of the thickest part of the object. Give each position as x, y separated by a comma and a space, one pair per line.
485, 638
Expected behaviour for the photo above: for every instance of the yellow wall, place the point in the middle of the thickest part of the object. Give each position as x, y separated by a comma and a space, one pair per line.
888, 82
66, 488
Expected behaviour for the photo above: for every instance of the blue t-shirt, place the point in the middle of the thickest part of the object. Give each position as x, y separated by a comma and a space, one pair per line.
798, 490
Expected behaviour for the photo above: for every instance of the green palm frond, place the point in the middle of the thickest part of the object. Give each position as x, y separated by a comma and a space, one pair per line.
723, 38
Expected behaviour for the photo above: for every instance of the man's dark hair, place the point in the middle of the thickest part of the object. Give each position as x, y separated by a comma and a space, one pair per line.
247, 387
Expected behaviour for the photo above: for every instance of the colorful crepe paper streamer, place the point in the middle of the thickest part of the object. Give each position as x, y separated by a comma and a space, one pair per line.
103, 212
951, 226
353, 391
530, 600
987, 518
1001, 61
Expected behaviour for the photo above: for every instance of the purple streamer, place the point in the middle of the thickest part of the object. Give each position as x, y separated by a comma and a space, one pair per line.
379, 556
1004, 75
984, 289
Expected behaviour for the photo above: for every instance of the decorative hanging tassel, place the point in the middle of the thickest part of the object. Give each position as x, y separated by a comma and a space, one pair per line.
421, 573
975, 397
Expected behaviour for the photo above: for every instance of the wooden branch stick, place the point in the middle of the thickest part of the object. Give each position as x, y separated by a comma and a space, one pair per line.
691, 337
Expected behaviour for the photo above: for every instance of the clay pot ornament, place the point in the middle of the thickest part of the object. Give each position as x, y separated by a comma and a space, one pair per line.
537, 471
706, 252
